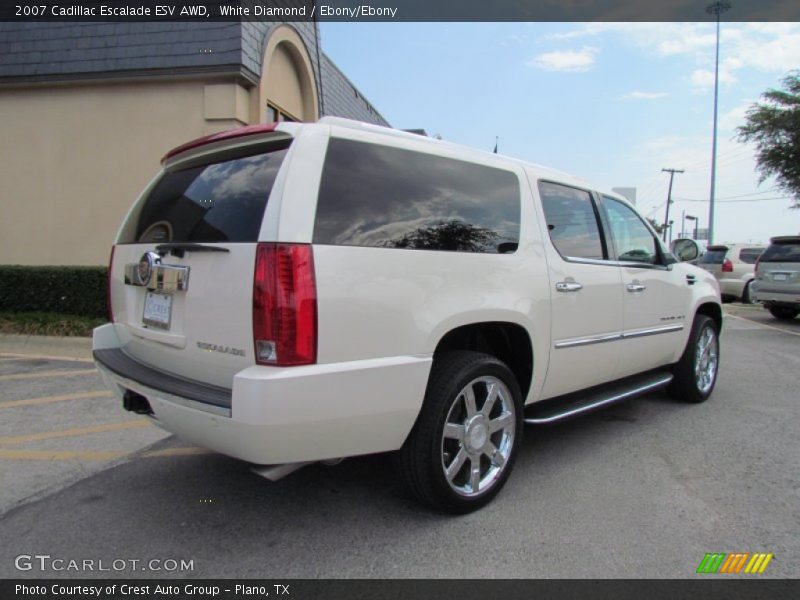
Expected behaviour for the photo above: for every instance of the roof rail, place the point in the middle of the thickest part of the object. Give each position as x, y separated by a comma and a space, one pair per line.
361, 126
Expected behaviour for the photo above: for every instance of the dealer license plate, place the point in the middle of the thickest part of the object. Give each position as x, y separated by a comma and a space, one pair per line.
779, 277
157, 310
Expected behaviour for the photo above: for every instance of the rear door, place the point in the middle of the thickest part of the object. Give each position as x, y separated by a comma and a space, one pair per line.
186, 255
712, 260
586, 292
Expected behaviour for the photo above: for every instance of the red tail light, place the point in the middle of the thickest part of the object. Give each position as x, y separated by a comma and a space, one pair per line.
727, 266
284, 305
109, 307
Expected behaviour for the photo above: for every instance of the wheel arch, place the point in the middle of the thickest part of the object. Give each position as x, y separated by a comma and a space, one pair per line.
712, 310
507, 341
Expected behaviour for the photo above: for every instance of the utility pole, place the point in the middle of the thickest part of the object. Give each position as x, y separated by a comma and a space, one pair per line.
669, 198
717, 8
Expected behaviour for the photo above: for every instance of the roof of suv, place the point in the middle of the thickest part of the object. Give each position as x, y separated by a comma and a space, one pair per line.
785, 239
256, 131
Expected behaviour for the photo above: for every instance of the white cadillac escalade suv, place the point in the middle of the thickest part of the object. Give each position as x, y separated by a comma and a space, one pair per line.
290, 293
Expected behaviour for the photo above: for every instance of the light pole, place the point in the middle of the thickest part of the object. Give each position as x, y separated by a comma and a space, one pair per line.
693, 218
716, 9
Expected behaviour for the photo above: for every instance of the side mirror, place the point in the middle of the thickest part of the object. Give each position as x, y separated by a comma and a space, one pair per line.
685, 250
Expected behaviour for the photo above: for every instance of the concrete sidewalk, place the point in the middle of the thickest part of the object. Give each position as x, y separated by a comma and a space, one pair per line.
79, 348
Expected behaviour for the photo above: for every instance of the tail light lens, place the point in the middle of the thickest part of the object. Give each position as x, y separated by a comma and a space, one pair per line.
727, 266
284, 305
109, 306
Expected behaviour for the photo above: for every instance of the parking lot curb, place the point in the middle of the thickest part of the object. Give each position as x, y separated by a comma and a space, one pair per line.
46, 345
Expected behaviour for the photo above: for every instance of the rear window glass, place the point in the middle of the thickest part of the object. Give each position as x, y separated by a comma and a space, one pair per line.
782, 253
378, 196
219, 202
750, 255
713, 257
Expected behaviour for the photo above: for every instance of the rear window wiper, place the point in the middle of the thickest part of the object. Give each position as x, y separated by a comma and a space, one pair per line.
180, 248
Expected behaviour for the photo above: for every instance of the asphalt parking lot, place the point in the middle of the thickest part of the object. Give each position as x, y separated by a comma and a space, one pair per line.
642, 489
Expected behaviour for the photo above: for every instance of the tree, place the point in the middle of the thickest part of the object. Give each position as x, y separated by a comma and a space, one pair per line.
452, 235
659, 227
774, 126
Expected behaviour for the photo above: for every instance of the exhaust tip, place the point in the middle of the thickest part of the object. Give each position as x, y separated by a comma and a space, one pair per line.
276, 472
136, 403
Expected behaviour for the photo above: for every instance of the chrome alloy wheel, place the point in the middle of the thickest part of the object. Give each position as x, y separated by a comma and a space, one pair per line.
478, 436
706, 359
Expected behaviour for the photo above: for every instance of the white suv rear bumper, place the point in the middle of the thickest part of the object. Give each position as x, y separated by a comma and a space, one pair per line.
295, 414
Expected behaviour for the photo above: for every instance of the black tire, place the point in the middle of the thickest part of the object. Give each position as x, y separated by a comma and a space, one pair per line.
783, 313
423, 458
687, 384
747, 296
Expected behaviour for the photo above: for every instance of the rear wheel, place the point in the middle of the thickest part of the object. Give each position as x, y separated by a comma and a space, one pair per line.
464, 444
784, 313
695, 374
747, 295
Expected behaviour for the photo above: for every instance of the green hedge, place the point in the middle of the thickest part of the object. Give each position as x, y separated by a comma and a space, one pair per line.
65, 290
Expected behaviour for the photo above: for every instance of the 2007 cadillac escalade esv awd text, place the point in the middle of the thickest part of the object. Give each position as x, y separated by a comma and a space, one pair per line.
289, 293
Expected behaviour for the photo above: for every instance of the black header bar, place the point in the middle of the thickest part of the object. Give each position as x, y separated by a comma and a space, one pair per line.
397, 10
745, 588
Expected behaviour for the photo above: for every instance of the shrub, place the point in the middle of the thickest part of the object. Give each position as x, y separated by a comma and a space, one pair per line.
65, 290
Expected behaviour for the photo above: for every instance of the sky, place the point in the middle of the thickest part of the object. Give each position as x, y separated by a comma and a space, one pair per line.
613, 103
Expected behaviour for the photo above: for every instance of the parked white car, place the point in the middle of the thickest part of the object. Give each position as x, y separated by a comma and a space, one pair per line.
304, 292
734, 267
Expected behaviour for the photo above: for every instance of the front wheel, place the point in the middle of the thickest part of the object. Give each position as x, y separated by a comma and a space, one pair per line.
695, 374
465, 441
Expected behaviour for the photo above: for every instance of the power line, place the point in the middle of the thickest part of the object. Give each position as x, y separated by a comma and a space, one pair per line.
772, 191
734, 201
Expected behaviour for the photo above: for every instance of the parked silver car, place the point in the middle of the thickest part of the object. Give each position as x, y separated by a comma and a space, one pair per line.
777, 282
734, 267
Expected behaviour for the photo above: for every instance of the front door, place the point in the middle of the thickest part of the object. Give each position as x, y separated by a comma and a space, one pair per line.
655, 295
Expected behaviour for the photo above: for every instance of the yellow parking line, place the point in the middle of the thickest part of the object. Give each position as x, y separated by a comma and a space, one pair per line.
176, 452
14, 355
49, 435
47, 374
61, 398
764, 325
59, 455
51, 455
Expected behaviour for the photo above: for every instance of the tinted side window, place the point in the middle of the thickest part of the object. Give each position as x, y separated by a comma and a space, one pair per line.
571, 220
750, 255
220, 202
782, 253
372, 195
632, 238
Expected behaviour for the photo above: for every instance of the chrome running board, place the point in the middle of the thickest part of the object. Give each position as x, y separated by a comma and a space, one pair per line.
557, 409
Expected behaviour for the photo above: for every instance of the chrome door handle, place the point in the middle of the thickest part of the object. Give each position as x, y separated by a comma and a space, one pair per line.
636, 287
568, 286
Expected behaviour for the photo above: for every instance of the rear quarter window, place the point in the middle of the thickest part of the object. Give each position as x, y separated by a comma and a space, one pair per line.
750, 255
384, 197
